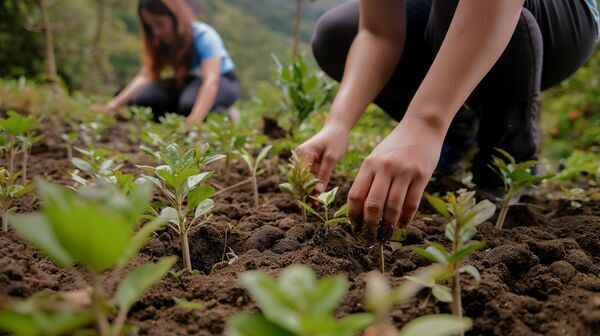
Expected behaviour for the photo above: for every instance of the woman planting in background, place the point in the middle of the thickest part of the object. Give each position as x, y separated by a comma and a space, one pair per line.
424, 60
203, 79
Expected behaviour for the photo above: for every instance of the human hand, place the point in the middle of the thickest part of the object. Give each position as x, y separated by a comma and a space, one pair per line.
323, 151
107, 108
391, 181
194, 120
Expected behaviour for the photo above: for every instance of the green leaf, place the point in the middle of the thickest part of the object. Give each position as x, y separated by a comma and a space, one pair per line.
246, 324
26, 189
272, 301
187, 304
327, 294
328, 197
194, 180
204, 207
438, 204
131, 288
198, 195
465, 251
334, 221
441, 293
81, 164
343, 211
354, 323
286, 188
37, 230
436, 325
421, 280
310, 209
483, 211
472, 271
27, 319
399, 235
263, 154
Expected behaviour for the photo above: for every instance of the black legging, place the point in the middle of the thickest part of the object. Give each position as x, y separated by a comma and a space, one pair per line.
553, 38
163, 97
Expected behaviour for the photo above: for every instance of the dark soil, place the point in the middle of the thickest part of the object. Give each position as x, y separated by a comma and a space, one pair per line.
540, 275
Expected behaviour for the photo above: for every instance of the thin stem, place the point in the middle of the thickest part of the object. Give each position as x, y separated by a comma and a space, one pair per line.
255, 184
119, 322
185, 251
5, 221
456, 293
504, 209
24, 168
69, 152
234, 186
11, 159
97, 299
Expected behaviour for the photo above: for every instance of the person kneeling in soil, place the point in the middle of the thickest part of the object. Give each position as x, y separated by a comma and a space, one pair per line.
436, 66
204, 79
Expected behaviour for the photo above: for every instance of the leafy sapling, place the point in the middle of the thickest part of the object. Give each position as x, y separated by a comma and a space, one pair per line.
253, 166
301, 182
182, 184
296, 304
15, 130
326, 199
515, 177
380, 298
75, 228
9, 191
98, 163
465, 215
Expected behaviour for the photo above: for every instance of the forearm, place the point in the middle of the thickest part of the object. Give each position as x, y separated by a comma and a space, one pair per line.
372, 59
477, 36
206, 99
125, 96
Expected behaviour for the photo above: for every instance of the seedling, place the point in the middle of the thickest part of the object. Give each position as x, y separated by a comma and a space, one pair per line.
515, 176
74, 228
182, 184
304, 92
9, 191
398, 236
301, 182
296, 304
69, 139
224, 136
99, 164
326, 199
253, 165
465, 215
93, 126
380, 298
16, 129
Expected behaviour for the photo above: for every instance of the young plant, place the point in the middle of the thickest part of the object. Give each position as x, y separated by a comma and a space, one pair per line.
98, 163
301, 182
326, 199
515, 176
304, 92
69, 138
465, 215
380, 298
27, 141
182, 184
296, 304
94, 228
9, 191
253, 165
224, 136
17, 128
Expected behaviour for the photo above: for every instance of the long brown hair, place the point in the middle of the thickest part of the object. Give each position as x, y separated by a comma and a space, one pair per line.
157, 55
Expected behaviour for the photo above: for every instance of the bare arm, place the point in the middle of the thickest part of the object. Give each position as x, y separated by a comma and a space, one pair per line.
392, 179
211, 75
377, 47
124, 97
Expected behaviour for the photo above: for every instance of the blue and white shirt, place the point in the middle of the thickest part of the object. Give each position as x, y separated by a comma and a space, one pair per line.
594, 8
208, 44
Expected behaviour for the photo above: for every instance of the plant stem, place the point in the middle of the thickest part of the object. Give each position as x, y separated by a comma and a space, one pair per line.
381, 259
69, 152
11, 160
255, 184
97, 298
456, 293
119, 322
24, 168
504, 209
5, 221
234, 186
185, 251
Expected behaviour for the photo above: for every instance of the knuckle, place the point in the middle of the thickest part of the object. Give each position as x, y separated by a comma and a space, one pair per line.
373, 206
411, 207
354, 197
388, 163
